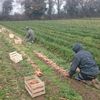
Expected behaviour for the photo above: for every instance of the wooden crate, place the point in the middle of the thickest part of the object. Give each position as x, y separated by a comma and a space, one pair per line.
3, 29
34, 86
18, 40
11, 35
15, 57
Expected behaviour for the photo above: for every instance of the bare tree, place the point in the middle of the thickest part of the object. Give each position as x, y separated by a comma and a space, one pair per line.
71, 7
97, 9
50, 4
59, 4
34, 8
88, 8
53, 8
82, 8
7, 7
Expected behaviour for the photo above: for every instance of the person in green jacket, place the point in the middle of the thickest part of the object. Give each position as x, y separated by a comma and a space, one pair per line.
30, 35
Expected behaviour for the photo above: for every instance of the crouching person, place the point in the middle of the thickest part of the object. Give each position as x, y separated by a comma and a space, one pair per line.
84, 62
30, 36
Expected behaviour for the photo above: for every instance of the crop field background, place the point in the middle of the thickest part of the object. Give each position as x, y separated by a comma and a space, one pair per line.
57, 37
54, 39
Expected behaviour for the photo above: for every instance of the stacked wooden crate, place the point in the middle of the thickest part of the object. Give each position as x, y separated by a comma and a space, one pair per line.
34, 86
15, 57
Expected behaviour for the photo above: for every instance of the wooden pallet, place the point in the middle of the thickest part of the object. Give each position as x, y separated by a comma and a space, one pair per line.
34, 86
15, 57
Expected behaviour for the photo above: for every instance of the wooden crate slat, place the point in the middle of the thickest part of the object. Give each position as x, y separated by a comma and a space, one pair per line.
15, 57
28, 90
35, 94
13, 53
38, 90
33, 77
18, 57
35, 89
29, 77
38, 94
36, 85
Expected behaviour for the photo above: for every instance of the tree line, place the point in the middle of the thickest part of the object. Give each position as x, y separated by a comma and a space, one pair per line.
52, 9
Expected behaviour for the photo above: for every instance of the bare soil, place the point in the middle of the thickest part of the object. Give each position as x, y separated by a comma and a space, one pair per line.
87, 92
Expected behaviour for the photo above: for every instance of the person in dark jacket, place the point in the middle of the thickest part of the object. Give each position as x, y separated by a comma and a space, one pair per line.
30, 36
83, 60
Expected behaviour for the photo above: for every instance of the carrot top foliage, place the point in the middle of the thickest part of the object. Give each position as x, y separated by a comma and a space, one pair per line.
58, 36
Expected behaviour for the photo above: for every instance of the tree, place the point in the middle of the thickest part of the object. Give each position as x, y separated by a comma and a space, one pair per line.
97, 7
72, 7
34, 8
89, 8
59, 3
7, 7
50, 8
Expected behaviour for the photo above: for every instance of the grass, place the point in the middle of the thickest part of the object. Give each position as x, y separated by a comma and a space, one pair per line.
54, 39
11, 75
57, 37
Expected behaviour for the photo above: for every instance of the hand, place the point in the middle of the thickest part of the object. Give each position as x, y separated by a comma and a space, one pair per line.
67, 74
78, 70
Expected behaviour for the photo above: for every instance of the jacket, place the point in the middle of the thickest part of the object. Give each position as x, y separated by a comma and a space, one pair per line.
84, 60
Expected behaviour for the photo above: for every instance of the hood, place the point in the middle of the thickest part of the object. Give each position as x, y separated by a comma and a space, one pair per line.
27, 28
77, 47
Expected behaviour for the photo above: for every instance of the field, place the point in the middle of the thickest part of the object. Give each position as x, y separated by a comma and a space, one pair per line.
54, 39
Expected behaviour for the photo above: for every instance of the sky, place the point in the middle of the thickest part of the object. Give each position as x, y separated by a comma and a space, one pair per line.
17, 8
1, 1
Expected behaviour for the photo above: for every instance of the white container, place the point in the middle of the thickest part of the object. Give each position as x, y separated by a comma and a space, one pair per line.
15, 57
11, 36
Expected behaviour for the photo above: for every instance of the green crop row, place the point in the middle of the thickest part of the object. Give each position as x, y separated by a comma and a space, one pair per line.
59, 36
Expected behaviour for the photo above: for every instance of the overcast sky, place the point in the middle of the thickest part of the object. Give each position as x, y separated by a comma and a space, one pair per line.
17, 8
1, 1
